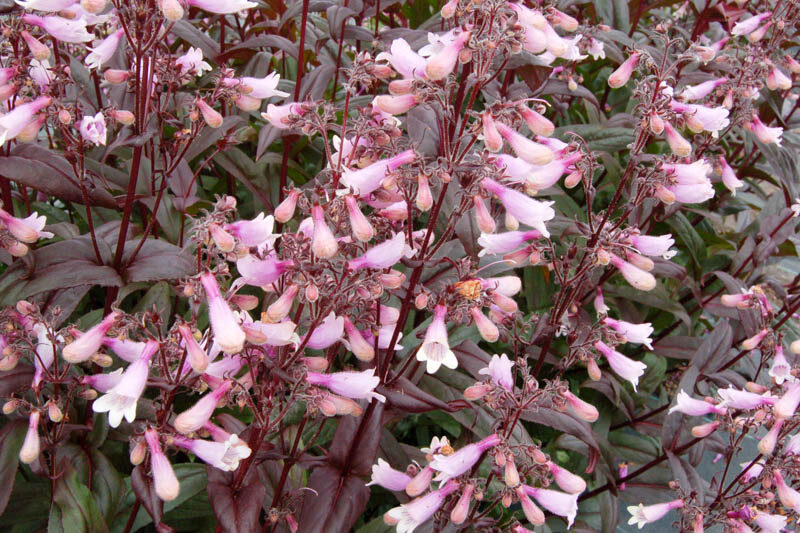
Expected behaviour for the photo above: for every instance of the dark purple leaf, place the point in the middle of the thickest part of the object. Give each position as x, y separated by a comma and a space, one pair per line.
236, 510
143, 487
356, 440
15, 380
337, 501
158, 260
11, 437
406, 397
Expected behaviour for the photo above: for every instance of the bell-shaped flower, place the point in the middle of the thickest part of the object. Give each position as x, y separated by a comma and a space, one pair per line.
227, 331
193, 418
642, 515
690, 181
261, 272
27, 230
125, 349
384, 255
435, 349
729, 178
770, 523
584, 410
103, 52
505, 285
502, 243
689, 406
93, 129
457, 463
411, 515
164, 479
624, 367
558, 503
532, 513
701, 90
566, 480
623, 73
103, 382
254, 233
636, 333
222, 7
654, 246
14, 122
679, 146
327, 333
278, 116
788, 496
526, 210
387, 477
29, 451
741, 399
483, 217
538, 124
499, 370
767, 444
441, 64
354, 385
258, 88
787, 405
764, 133
224, 455
749, 25
121, 400
530, 151
85, 346
362, 229
62, 29
363, 350
780, 370
192, 63
195, 355
404, 60
366, 180
638, 278
701, 118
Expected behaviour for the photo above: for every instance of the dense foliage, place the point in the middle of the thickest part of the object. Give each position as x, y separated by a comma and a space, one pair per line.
351, 265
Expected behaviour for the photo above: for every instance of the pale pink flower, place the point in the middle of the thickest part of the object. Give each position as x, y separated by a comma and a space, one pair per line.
27, 230
45, 353
354, 385
770, 523
259, 88
278, 115
279, 334
701, 90
457, 463
780, 370
786, 494
490, 136
366, 180
526, 210
192, 62
362, 229
224, 455
599, 302
487, 329
69, 31
50, 6
212, 117
751, 471
29, 451
764, 133
499, 370
14, 122
740, 399
227, 332
584, 410
93, 129
558, 503
222, 7
787, 405
776, 79
323, 243
105, 50
532, 513
530, 151
641, 515
635, 333
596, 49
254, 233
396, 104
103, 382
435, 349
404, 60
767, 444
439, 65
420, 482
384, 255
414, 513
729, 178
193, 418
623, 73
502, 243
121, 399
792, 445
654, 245
753, 342
505, 285
625, 367
638, 278
166, 483
387, 477
690, 181
701, 118
566, 480
329, 332
85, 346
744, 27
677, 144
261, 272
195, 355
689, 406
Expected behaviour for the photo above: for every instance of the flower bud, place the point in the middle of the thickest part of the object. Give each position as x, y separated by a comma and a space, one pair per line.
315, 364
420, 483
593, 369
767, 444
126, 118
358, 345
311, 292
93, 6
510, 474
677, 144
323, 243
171, 9
285, 211
393, 280
484, 219
459, 513
283, 305
421, 300
10, 406
39, 51
138, 452
487, 329
362, 229
621, 76
491, 138
30, 446
246, 302
424, 199
115, 76
656, 123
477, 391
533, 514
506, 304
704, 430
753, 342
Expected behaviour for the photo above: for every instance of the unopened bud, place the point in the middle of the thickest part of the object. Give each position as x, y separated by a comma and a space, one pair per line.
245, 302
138, 452
9, 362
594, 370
421, 300
64, 117
126, 118
311, 292
93, 6
88, 394
101, 359
477, 391
171, 9
511, 475
10, 406
115, 76
393, 280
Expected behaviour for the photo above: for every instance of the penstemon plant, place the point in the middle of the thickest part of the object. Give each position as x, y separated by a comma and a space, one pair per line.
373, 266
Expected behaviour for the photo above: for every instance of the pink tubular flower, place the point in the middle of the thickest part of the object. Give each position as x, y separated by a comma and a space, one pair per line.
753, 342
404, 60
623, 73
528, 150
258, 88
767, 444
105, 50
30, 446
125, 349
363, 350
87, 344
690, 182
558, 503
792, 445
654, 246
435, 349
487, 329
641, 515
253, 233
440, 65
278, 116
384, 255
636, 333
599, 302
704, 430
261, 272
192, 62
701, 90
223, 455
787, 405
228, 334
281, 307
362, 229
701, 118
461, 510
387, 477
786, 494
538, 124
420, 482
414, 513
327, 333
69, 31
14, 122
740, 399
193, 418
366, 180
776, 79
45, 353
396, 104
93, 129
103, 382
26, 230
533, 213
211, 116
354, 385
749, 25
780, 370
638, 278
533, 514
729, 178
770, 523
491, 137
323, 243
166, 483
625, 367
502, 243
677, 144
505, 285
764, 133
584, 410
689, 406
499, 370
455, 464
121, 400
39, 51
566, 480
222, 7
196, 356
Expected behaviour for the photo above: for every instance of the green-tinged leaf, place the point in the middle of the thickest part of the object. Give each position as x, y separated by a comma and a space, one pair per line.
75, 508
657, 298
11, 437
599, 137
687, 236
